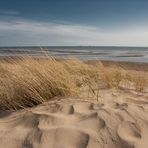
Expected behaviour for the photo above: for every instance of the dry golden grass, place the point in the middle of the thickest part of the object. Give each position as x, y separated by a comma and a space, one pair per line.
28, 81
139, 80
111, 76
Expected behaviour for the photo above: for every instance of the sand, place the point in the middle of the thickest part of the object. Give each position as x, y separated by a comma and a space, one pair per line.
117, 120
138, 66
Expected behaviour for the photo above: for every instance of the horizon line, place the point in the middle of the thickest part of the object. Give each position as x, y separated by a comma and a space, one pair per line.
25, 46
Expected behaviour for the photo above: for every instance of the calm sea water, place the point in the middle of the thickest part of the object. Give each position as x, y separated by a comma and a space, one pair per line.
138, 54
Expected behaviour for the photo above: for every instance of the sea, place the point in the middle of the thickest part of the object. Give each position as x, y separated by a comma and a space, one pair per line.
133, 54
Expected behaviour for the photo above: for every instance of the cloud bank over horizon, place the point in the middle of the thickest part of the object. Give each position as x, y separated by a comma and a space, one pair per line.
24, 32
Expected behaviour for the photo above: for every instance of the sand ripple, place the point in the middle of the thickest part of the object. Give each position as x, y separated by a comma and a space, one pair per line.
76, 124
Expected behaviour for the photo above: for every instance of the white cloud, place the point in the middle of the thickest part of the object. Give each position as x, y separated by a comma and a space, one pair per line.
10, 12
25, 32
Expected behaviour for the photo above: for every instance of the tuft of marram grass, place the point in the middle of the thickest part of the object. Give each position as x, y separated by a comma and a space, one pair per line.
140, 81
112, 77
28, 82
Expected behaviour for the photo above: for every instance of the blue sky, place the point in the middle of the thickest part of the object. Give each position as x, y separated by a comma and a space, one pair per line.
73, 22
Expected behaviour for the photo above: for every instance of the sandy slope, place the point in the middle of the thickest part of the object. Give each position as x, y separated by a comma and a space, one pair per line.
116, 121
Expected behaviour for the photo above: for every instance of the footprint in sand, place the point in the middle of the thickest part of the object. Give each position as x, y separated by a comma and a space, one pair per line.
129, 133
71, 125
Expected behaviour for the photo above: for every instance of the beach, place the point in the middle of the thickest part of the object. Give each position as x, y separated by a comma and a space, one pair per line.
73, 74
73, 104
105, 53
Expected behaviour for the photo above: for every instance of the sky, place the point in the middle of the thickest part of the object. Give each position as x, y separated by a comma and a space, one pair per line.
73, 22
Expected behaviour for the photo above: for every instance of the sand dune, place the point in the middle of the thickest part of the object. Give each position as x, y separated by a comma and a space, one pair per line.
113, 122
108, 107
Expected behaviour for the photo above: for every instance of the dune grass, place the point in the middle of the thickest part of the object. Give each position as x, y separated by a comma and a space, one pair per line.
26, 82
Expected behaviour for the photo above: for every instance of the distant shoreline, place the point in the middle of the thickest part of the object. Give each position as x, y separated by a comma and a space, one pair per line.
107, 53
70, 46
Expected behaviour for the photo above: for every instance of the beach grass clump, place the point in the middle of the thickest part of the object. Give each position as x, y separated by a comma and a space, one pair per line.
112, 77
28, 82
85, 75
79, 68
140, 81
